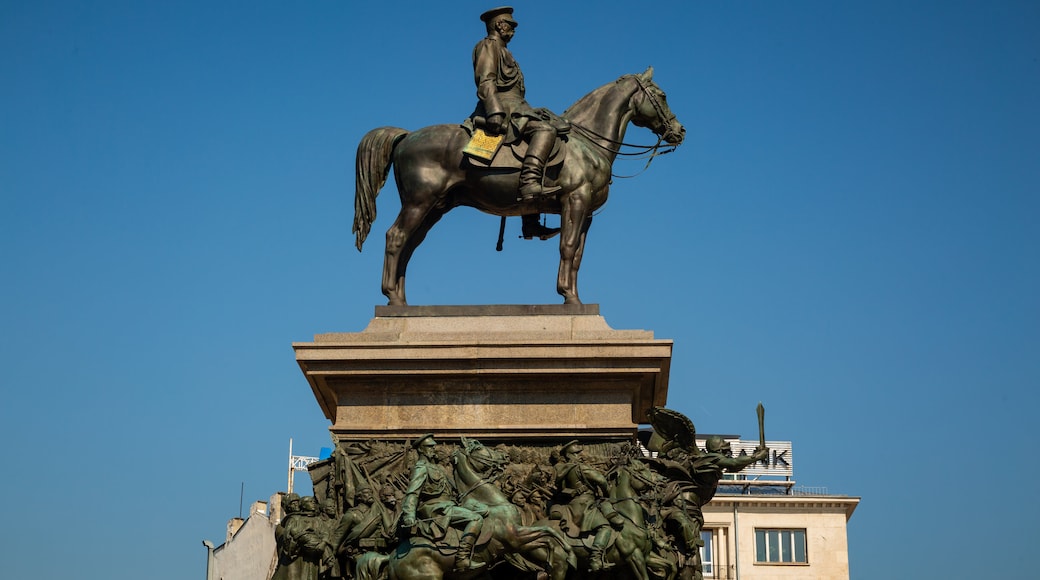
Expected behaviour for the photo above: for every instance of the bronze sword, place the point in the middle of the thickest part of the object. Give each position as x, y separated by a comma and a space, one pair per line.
761, 425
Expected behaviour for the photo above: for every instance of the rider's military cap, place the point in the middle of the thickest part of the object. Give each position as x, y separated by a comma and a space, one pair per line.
490, 15
569, 445
425, 440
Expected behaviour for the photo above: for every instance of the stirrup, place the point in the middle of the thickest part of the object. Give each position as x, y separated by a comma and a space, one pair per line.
538, 231
535, 191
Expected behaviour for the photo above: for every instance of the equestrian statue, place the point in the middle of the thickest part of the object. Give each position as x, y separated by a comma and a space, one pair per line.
507, 159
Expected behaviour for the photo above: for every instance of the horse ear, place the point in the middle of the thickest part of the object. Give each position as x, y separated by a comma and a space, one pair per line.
648, 74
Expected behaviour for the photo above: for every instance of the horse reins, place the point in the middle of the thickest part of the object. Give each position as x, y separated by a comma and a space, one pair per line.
651, 150
594, 137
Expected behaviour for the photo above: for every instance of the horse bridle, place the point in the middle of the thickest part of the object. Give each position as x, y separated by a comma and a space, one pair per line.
650, 150
666, 120
491, 464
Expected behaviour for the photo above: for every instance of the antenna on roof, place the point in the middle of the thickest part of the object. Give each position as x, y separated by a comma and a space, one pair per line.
297, 463
290, 466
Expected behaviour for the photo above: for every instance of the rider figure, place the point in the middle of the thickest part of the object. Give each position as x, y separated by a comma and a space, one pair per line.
431, 494
584, 489
500, 90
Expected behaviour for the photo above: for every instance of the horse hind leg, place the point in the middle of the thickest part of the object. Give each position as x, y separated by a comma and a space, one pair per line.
418, 236
409, 229
393, 277
402, 239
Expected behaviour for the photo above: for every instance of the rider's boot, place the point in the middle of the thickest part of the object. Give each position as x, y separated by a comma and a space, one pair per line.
533, 228
464, 558
599, 545
533, 170
616, 520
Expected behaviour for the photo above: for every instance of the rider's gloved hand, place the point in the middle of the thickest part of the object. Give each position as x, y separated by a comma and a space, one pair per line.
495, 124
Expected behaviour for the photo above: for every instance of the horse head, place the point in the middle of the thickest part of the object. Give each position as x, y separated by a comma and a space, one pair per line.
479, 461
652, 111
630, 476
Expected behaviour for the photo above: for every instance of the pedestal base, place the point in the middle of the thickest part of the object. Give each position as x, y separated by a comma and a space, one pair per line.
488, 372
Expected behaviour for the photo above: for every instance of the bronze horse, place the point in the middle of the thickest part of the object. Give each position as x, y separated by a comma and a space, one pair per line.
432, 177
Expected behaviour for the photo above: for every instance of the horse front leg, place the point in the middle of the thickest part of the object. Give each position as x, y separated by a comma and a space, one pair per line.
637, 563
546, 548
630, 552
574, 220
580, 251
552, 559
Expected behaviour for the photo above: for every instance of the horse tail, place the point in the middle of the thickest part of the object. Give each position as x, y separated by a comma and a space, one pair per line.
372, 566
371, 169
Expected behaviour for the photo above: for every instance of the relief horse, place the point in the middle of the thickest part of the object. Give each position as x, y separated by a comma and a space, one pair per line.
432, 177
532, 551
631, 481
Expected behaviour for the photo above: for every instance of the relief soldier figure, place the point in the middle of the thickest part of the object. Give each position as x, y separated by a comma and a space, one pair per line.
366, 526
430, 504
389, 508
304, 552
583, 489
693, 476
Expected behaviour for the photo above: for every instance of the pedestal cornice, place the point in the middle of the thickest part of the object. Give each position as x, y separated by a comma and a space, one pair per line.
487, 371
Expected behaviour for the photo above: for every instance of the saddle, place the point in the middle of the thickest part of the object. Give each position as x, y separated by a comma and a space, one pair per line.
448, 542
576, 533
485, 151
586, 540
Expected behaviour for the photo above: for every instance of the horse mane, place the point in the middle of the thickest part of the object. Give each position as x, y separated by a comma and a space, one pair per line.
588, 104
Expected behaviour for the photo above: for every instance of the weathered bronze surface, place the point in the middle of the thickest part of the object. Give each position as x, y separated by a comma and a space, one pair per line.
576, 510
433, 175
301, 538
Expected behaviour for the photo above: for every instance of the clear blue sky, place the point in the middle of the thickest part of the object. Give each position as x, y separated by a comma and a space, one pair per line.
849, 235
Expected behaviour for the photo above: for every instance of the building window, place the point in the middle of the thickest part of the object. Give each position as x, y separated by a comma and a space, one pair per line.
708, 553
780, 546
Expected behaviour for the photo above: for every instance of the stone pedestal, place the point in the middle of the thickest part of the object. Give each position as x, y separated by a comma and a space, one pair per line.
488, 372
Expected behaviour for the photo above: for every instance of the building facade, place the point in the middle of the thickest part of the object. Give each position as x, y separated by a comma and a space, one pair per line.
774, 537
248, 551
